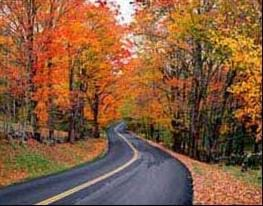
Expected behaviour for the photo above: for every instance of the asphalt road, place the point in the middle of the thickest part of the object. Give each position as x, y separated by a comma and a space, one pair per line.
151, 177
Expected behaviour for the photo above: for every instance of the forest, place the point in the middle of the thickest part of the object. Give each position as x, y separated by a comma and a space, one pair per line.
186, 73
60, 65
196, 81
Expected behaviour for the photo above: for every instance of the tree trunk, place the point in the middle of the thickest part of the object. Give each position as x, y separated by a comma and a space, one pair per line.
158, 135
72, 113
229, 147
256, 148
197, 95
219, 120
50, 65
72, 126
151, 130
176, 142
242, 143
96, 129
81, 118
31, 14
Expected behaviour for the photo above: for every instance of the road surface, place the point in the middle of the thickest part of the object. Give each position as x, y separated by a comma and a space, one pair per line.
132, 173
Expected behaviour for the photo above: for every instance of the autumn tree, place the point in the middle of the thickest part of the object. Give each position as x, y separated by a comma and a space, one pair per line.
67, 57
18, 20
193, 50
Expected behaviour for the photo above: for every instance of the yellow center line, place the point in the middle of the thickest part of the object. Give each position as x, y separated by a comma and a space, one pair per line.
96, 180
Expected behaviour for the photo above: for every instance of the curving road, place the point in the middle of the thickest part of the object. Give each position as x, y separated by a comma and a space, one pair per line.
132, 173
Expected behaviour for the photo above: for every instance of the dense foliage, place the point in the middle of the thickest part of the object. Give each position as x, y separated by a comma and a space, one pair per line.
184, 72
197, 75
61, 62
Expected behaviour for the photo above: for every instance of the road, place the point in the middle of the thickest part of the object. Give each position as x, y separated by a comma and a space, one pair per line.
132, 173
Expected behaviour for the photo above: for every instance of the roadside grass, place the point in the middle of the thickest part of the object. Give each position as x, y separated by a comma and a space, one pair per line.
216, 184
197, 169
251, 176
20, 162
36, 164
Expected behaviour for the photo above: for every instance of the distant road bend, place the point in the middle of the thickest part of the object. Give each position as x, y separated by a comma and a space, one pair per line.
132, 173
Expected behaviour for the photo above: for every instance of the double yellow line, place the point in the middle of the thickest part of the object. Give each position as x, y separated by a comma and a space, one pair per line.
96, 180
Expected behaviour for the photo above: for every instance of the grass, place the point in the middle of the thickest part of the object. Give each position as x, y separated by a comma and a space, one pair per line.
20, 162
252, 176
197, 169
37, 164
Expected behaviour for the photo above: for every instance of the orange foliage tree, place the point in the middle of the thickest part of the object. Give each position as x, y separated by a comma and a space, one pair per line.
192, 64
66, 57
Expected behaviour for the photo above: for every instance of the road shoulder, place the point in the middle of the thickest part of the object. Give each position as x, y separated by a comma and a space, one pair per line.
20, 163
